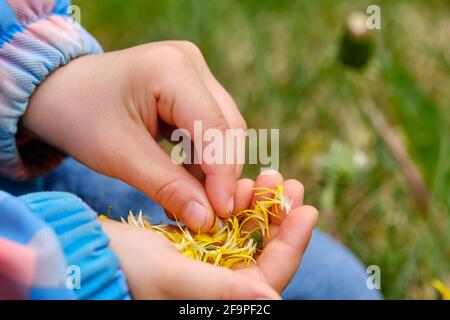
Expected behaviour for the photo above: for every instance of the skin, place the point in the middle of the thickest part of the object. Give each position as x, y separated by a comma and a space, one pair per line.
108, 112
156, 270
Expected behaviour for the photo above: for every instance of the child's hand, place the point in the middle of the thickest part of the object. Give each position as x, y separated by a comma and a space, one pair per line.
155, 270
107, 110
289, 235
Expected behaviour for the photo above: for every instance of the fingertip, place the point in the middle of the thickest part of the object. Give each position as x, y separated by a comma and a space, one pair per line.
269, 172
268, 179
197, 216
295, 187
209, 222
293, 198
243, 194
310, 211
220, 190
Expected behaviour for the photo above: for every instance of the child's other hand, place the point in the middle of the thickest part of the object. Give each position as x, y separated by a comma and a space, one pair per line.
107, 110
155, 270
289, 234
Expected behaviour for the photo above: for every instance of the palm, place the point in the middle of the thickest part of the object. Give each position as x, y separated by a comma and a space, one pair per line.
274, 267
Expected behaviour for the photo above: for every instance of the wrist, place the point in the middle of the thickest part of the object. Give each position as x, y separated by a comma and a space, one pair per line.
122, 243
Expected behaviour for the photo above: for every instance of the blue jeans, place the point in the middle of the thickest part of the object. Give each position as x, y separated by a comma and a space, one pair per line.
328, 270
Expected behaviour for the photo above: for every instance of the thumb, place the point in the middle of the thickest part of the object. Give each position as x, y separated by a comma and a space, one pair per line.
152, 171
283, 253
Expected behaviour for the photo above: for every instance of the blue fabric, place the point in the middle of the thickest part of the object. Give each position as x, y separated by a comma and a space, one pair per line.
103, 194
60, 230
50, 294
61, 7
22, 219
22, 228
328, 270
83, 242
19, 188
8, 23
37, 37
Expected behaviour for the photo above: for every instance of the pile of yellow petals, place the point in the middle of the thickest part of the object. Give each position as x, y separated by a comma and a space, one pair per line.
230, 241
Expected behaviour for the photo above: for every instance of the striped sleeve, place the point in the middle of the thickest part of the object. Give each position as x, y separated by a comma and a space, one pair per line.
32, 263
52, 247
36, 37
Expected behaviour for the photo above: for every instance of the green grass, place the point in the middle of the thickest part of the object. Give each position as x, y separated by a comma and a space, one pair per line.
278, 60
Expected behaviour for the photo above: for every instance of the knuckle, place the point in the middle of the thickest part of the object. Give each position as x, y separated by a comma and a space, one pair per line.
165, 61
192, 48
166, 192
219, 123
242, 124
174, 55
167, 52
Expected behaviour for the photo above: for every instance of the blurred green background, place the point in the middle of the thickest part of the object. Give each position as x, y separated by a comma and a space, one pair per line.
343, 132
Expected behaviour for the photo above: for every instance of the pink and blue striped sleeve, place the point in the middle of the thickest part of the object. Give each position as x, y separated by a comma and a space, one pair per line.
52, 247
32, 263
36, 37
42, 234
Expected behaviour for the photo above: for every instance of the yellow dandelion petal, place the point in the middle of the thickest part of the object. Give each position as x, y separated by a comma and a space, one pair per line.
228, 243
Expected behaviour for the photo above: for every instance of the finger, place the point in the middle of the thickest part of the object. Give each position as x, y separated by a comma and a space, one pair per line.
243, 194
165, 132
196, 171
170, 215
170, 185
199, 280
174, 276
226, 103
267, 179
194, 109
281, 257
292, 198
